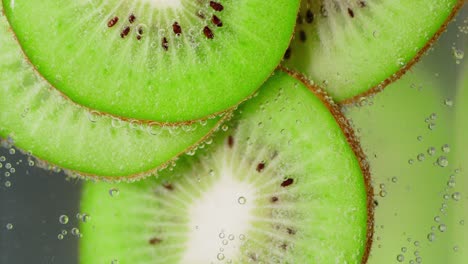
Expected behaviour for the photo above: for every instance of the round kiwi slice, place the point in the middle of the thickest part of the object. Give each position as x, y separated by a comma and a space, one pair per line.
283, 185
159, 60
355, 48
39, 120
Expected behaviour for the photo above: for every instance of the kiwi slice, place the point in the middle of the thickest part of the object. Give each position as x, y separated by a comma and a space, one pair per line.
356, 48
286, 184
39, 120
159, 60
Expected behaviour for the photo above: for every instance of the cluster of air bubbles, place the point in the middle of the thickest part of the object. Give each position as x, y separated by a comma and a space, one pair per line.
7, 167
64, 220
382, 192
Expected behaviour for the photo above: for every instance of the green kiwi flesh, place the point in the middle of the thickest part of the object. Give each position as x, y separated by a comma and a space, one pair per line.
285, 184
159, 60
353, 48
39, 120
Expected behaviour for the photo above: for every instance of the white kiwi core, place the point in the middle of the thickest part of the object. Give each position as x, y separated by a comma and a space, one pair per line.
219, 218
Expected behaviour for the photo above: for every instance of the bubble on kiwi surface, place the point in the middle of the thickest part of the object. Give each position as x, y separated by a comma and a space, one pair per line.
60, 133
282, 192
356, 48
166, 61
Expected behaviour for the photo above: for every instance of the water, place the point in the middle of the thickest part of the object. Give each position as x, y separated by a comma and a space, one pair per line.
417, 219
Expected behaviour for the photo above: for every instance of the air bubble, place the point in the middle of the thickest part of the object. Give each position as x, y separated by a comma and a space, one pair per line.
220, 256
12, 151
221, 235
231, 237
63, 219
8, 184
225, 242
60, 236
85, 218
115, 261
241, 237
394, 179
458, 54
75, 231
225, 127
400, 258
446, 148
442, 161
431, 237
456, 196
9, 226
113, 192
93, 116
421, 157
448, 102
431, 151
442, 228
116, 123
242, 200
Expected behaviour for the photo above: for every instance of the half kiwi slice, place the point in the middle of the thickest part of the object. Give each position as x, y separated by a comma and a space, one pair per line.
39, 120
355, 48
286, 184
159, 60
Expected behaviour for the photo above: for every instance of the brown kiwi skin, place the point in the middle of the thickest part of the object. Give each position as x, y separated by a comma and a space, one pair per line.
356, 147
394, 77
44, 164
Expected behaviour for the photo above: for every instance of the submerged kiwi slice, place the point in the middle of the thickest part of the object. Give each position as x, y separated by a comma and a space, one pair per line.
39, 120
286, 184
354, 48
159, 60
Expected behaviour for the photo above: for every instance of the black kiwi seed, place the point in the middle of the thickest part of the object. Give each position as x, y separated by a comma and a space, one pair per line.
230, 141
309, 16
154, 241
208, 33
216, 6
125, 32
350, 12
216, 21
176, 28
287, 182
260, 166
131, 18
113, 21
165, 44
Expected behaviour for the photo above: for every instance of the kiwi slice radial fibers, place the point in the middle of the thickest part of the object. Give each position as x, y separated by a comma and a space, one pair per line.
159, 60
39, 120
354, 48
287, 183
